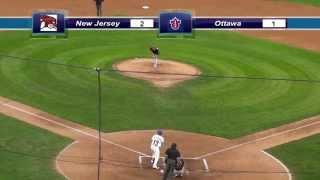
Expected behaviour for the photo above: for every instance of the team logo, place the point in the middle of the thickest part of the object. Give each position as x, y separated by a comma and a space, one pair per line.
48, 22
175, 23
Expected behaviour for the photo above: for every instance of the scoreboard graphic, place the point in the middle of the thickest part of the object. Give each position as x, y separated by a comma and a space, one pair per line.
171, 22
48, 23
175, 23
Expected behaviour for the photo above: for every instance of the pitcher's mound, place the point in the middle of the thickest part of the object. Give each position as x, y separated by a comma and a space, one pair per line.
168, 73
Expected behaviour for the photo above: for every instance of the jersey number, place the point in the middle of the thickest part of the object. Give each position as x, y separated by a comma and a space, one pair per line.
156, 143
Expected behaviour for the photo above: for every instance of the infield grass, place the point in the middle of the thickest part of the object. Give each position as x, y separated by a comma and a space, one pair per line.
217, 106
27, 152
301, 157
308, 2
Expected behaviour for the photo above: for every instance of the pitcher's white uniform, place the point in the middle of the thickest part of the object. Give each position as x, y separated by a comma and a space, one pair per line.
156, 143
155, 60
155, 53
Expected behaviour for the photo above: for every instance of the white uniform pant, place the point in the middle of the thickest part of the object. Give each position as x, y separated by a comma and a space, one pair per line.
155, 155
155, 61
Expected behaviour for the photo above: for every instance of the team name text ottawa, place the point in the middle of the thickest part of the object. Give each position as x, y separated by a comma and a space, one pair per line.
220, 23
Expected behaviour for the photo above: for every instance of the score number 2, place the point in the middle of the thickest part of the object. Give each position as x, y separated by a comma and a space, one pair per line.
142, 23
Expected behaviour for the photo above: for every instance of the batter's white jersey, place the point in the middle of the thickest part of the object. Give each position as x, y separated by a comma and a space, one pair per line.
157, 141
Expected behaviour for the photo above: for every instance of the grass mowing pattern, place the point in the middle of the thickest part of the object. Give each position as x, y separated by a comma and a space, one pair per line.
301, 157
27, 152
222, 107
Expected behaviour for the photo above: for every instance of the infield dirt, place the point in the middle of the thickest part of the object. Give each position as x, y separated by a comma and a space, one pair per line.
241, 159
167, 74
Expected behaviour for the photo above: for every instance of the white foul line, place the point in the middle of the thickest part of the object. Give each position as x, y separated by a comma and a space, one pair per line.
60, 153
281, 164
74, 129
256, 140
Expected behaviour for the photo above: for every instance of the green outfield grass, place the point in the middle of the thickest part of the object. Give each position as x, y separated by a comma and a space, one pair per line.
222, 107
27, 152
310, 2
301, 157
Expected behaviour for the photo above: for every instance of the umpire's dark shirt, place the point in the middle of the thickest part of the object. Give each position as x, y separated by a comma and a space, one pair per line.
172, 154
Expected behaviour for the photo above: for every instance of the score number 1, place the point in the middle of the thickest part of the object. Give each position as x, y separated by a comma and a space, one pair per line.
274, 23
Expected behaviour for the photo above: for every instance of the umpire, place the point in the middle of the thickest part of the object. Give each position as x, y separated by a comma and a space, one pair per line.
172, 155
99, 7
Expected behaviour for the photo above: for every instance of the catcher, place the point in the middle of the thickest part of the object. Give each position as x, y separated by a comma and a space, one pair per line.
179, 169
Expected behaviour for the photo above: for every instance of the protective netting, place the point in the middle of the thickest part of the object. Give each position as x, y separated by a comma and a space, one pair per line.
222, 103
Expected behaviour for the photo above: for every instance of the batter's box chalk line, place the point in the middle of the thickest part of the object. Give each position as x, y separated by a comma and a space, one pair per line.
145, 161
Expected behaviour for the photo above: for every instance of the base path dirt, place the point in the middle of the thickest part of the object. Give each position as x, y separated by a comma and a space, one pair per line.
166, 74
207, 157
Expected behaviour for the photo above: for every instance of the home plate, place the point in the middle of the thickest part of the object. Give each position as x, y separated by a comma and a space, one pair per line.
145, 7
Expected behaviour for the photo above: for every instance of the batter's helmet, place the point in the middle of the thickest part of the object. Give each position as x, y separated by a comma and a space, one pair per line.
159, 132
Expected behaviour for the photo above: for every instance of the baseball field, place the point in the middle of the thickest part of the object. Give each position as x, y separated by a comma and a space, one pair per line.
251, 94
208, 104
